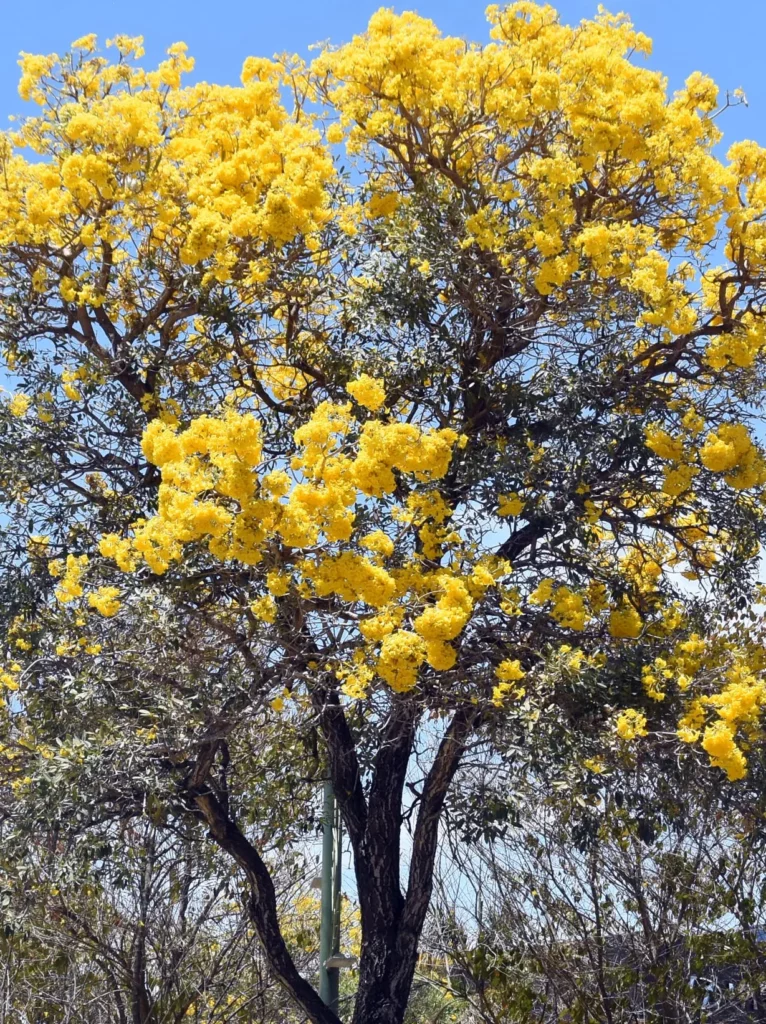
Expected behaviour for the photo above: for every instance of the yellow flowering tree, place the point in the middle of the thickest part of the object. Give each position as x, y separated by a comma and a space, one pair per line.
457, 449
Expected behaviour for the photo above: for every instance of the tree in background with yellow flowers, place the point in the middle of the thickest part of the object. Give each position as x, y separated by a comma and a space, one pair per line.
383, 467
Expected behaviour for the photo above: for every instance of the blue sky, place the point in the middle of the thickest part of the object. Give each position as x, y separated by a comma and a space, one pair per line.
723, 39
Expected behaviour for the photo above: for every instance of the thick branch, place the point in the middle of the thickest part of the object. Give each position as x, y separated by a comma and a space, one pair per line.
420, 884
382, 838
525, 537
262, 908
343, 764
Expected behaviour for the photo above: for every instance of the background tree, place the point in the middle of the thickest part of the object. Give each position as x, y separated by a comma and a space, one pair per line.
308, 474
620, 896
132, 923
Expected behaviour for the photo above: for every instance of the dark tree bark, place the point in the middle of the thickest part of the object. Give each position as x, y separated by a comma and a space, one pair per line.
262, 907
391, 920
390, 943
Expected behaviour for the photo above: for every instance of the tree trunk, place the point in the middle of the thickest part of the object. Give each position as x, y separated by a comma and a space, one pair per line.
391, 922
390, 939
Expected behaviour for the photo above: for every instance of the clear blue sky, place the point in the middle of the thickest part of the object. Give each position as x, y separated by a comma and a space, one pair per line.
723, 38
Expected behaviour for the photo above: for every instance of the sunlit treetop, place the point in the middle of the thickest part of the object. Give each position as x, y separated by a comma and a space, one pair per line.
136, 181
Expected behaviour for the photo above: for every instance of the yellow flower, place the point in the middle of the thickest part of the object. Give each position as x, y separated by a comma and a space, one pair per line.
264, 608
630, 724
105, 600
509, 671
718, 741
678, 480
86, 43
542, 593
569, 609
401, 655
367, 391
663, 444
730, 450
625, 622
70, 587
19, 404
440, 656
379, 542
278, 583
446, 619
509, 505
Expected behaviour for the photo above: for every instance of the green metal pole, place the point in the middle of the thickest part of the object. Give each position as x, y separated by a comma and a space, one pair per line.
328, 978
337, 897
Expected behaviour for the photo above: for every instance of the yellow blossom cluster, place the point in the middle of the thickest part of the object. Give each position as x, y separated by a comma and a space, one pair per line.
367, 391
630, 724
738, 706
70, 577
445, 619
105, 600
508, 673
578, 89
401, 655
663, 444
214, 491
569, 609
678, 479
741, 347
625, 621
9, 676
264, 608
509, 505
203, 175
730, 450
352, 577
718, 741
654, 678
19, 404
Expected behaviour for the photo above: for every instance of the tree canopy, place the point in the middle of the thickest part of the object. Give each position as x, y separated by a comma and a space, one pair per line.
377, 412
